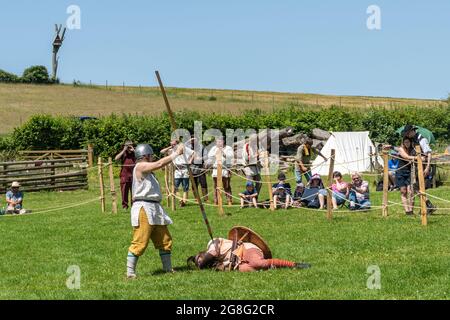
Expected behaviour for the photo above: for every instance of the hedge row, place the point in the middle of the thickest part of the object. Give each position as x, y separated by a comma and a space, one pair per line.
108, 133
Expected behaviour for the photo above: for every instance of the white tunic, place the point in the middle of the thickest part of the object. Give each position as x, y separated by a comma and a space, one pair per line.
227, 160
148, 189
181, 171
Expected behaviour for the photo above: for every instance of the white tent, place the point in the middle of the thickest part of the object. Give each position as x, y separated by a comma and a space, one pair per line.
352, 153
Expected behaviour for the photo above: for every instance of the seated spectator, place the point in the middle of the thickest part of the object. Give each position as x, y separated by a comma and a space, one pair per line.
314, 194
248, 197
359, 193
393, 166
340, 190
282, 192
297, 196
14, 200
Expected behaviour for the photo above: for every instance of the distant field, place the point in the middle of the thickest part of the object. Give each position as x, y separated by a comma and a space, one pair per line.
19, 102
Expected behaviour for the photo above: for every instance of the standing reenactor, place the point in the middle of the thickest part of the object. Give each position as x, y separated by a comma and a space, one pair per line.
198, 168
303, 160
181, 169
127, 159
148, 218
250, 159
227, 156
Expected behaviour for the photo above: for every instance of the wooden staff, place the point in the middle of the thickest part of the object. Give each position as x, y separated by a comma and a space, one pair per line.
423, 204
267, 177
385, 182
191, 176
219, 185
112, 186
330, 182
102, 186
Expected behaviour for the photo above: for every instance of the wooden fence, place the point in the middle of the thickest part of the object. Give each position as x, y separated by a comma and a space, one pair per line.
51, 174
85, 155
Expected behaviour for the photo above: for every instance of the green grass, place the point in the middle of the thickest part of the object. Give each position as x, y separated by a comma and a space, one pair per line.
37, 250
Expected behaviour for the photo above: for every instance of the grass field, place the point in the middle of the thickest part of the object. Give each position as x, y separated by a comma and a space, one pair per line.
20, 101
37, 249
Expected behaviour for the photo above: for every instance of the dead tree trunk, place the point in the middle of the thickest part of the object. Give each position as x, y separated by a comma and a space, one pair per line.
57, 43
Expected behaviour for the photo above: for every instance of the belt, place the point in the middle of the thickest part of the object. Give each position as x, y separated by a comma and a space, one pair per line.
146, 200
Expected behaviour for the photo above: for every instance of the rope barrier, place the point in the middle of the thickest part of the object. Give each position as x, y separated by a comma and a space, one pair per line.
55, 208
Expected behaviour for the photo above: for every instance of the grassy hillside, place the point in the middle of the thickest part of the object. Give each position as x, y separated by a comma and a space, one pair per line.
19, 101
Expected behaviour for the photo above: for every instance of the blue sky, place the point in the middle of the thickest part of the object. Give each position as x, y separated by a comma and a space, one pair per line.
318, 46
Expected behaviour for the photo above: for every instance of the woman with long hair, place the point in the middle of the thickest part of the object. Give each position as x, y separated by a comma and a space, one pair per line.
403, 175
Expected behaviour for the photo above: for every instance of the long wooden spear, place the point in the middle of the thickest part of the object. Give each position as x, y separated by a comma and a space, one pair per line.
191, 176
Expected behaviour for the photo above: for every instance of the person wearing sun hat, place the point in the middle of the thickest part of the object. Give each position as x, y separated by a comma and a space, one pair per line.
410, 131
14, 199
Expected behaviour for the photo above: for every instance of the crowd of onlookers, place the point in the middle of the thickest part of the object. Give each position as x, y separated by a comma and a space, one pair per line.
312, 194
354, 194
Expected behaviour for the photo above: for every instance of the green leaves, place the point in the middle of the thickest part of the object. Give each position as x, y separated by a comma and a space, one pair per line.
35, 74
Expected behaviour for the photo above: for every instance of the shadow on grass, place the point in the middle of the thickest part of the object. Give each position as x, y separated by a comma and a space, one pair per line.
182, 269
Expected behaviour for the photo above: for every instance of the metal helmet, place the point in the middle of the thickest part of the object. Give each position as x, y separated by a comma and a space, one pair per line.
142, 150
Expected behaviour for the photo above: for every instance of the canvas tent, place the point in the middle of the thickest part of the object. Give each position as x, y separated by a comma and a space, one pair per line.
352, 153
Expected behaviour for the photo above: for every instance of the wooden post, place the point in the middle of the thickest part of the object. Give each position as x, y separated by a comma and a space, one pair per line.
423, 205
330, 182
434, 173
219, 182
267, 177
166, 184
372, 167
102, 186
90, 155
53, 172
172, 187
112, 186
385, 182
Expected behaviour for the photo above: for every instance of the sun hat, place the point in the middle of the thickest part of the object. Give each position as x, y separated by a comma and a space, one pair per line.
15, 184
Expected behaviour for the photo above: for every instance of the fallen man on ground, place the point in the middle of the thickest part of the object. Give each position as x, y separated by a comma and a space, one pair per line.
244, 250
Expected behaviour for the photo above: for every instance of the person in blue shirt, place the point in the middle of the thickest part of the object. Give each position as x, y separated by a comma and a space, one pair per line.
393, 166
249, 196
282, 195
14, 199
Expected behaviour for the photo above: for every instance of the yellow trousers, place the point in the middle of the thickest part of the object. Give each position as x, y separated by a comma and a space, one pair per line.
142, 234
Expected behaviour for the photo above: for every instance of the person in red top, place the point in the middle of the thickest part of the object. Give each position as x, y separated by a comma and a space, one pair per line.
126, 156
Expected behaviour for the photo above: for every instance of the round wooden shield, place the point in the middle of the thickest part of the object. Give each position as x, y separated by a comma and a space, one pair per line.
245, 234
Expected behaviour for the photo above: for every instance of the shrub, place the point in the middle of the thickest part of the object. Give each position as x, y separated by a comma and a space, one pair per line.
8, 77
35, 74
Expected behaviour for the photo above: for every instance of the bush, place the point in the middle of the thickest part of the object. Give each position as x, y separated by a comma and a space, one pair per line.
35, 74
8, 77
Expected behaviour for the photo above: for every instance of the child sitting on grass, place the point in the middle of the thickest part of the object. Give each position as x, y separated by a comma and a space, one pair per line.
248, 197
282, 192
